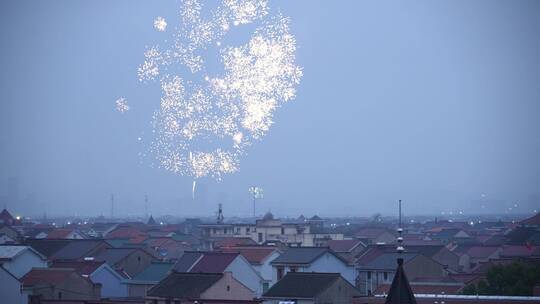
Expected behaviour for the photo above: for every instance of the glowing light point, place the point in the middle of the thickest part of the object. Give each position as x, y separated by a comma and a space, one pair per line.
122, 105
160, 24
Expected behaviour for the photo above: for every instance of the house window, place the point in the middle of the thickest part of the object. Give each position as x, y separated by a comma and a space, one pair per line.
60, 295
282, 230
266, 285
385, 276
247, 229
293, 268
369, 275
260, 237
279, 272
224, 230
238, 229
228, 288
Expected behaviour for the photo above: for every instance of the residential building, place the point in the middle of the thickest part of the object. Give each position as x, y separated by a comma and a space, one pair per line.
129, 261
220, 262
99, 273
311, 287
59, 284
20, 259
311, 259
140, 284
11, 288
184, 287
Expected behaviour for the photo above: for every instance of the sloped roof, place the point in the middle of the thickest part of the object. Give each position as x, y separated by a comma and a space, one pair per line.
114, 255
8, 251
82, 267
233, 241
187, 260
254, 255
155, 272
343, 245
387, 260
301, 285
371, 232
300, 255
517, 251
427, 250
400, 291
425, 288
184, 285
481, 251
47, 276
214, 262
533, 220
61, 233
76, 249
6, 216
47, 247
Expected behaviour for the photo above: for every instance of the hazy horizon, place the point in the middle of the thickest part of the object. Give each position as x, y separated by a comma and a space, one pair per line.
434, 103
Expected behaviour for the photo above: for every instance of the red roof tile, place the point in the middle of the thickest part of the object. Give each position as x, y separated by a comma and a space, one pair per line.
82, 268
60, 233
46, 276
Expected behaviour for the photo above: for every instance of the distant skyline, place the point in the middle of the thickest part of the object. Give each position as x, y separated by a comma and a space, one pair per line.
434, 103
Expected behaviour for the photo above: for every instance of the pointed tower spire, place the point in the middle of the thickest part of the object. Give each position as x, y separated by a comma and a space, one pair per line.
400, 291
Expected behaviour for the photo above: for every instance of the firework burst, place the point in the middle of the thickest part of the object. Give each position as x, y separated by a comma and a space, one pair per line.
205, 122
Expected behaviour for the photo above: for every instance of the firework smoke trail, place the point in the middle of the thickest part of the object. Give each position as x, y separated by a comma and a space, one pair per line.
230, 111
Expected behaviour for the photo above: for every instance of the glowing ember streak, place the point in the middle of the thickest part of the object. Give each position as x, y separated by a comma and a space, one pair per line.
205, 122
122, 105
160, 24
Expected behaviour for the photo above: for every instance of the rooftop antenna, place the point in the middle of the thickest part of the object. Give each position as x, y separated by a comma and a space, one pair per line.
220, 215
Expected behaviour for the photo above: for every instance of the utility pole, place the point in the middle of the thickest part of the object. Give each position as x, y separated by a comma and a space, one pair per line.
146, 206
112, 206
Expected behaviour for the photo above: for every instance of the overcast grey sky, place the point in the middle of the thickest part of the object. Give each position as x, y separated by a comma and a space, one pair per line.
433, 102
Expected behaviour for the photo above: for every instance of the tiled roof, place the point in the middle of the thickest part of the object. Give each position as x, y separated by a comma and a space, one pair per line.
125, 233
155, 272
46, 276
481, 251
533, 220
388, 260
76, 249
184, 285
214, 262
371, 232
233, 241
60, 233
518, 251
300, 255
82, 268
427, 250
301, 285
8, 252
423, 288
47, 247
343, 245
187, 260
114, 255
254, 255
